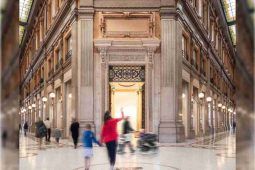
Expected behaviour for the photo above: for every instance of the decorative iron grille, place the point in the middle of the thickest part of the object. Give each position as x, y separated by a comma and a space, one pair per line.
126, 73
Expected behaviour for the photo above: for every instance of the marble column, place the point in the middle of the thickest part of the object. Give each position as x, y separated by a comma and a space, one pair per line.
171, 128
82, 68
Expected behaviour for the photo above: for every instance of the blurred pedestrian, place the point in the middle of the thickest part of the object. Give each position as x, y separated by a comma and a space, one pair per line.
57, 134
74, 128
234, 127
48, 126
109, 136
4, 137
40, 131
25, 127
20, 128
127, 129
88, 138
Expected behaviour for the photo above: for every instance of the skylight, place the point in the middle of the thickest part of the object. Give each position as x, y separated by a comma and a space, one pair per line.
229, 7
232, 30
21, 32
230, 10
24, 10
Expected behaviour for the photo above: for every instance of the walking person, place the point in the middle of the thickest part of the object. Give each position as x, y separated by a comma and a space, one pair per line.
109, 136
234, 127
127, 129
20, 128
57, 135
48, 126
25, 127
88, 138
40, 131
74, 128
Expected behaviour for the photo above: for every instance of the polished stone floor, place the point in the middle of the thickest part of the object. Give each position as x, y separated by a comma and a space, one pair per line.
216, 152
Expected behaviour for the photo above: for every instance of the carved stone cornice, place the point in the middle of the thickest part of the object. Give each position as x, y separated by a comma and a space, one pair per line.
114, 47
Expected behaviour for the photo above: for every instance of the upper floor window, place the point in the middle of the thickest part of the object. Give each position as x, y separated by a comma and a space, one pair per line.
205, 14
217, 41
212, 31
203, 64
42, 73
184, 47
194, 58
57, 4
68, 43
49, 64
59, 55
49, 15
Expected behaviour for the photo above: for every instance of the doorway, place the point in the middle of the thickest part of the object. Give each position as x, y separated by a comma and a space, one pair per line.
129, 96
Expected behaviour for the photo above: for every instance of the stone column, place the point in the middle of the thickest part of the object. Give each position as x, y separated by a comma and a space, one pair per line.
171, 128
82, 67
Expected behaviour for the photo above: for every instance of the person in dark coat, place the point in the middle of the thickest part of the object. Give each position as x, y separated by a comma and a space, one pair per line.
74, 128
25, 128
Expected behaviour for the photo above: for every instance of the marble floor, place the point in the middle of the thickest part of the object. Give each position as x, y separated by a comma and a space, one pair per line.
216, 152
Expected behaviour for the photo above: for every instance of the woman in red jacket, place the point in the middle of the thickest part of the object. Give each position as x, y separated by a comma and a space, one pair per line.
109, 135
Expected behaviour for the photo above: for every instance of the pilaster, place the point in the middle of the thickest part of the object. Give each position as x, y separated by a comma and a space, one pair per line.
171, 128
83, 67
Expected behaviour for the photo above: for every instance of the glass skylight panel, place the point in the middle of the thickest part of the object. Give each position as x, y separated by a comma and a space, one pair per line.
24, 9
232, 30
21, 32
230, 9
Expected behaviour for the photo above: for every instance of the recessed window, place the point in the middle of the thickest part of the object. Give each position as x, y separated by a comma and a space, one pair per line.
68, 43
184, 46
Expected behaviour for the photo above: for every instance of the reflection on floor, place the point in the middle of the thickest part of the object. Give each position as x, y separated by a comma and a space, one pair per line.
212, 153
